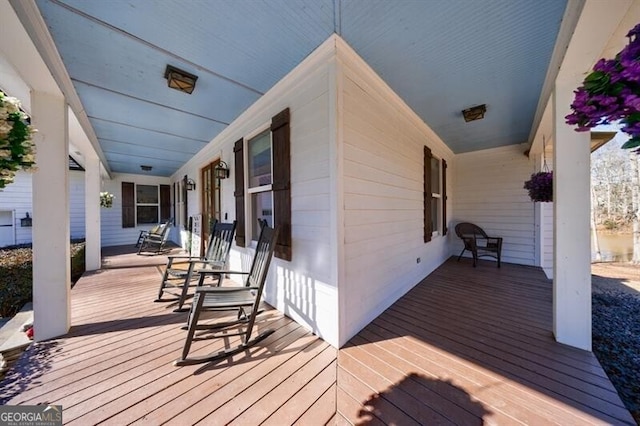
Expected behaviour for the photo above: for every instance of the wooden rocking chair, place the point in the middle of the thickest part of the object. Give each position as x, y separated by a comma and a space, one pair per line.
245, 300
155, 239
216, 256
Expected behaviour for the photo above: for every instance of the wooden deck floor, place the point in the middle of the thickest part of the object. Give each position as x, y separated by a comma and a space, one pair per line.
471, 346
466, 346
115, 365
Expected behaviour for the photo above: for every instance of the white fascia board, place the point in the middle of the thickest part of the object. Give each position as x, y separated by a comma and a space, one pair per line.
39, 62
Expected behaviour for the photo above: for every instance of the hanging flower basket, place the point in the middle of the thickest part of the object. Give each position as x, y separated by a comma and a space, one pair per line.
611, 93
106, 200
540, 187
17, 151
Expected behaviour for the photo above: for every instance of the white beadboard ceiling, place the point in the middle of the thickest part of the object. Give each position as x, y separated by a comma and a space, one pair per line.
440, 56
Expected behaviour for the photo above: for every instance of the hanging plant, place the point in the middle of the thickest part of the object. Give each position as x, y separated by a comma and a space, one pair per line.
540, 187
611, 93
17, 151
106, 200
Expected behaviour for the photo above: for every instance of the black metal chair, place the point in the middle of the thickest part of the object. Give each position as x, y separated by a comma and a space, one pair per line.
244, 300
216, 256
154, 240
478, 242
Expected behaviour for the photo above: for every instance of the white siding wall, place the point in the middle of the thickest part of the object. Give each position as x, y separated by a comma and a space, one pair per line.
489, 192
112, 232
546, 212
304, 288
76, 204
383, 196
17, 197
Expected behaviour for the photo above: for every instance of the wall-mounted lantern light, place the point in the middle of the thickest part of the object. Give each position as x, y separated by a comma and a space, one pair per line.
190, 184
222, 170
26, 221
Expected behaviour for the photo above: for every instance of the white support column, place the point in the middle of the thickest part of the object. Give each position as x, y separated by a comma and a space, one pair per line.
92, 213
572, 259
51, 254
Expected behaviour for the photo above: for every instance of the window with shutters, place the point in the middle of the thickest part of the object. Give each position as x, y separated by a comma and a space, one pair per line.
435, 196
266, 156
145, 204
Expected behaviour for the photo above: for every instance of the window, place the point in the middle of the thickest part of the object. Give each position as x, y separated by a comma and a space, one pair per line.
268, 183
179, 214
145, 204
436, 199
260, 179
435, 196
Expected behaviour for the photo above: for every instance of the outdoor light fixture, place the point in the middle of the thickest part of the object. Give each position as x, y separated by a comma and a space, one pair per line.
222, 170
180, 80
146, 168
190, 184
474, 113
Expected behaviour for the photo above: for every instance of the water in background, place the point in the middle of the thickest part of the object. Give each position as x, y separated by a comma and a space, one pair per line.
614, 247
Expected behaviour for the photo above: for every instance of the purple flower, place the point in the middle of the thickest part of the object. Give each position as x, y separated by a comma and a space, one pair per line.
540, 187
611, 92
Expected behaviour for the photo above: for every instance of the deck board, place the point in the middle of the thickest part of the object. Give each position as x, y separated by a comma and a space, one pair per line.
465, 346
474, 343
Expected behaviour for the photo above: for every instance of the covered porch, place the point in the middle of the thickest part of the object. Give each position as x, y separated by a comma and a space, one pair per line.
466, 345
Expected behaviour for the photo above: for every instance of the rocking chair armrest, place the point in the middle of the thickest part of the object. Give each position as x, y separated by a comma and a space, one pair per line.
224, 289
219, 271
183, 257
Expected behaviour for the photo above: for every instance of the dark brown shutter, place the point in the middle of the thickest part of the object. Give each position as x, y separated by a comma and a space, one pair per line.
175, 203
185, 203
427, 194
128, 205
239, 192
281, 139
165, 203
444, 197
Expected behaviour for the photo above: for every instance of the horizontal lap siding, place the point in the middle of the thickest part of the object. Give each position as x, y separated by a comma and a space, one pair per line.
18, 197
113, 234
303, 288
383, 200
547, 236
76, 204
489, 192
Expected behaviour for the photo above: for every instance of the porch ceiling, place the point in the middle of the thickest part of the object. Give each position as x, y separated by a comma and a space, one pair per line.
439, 56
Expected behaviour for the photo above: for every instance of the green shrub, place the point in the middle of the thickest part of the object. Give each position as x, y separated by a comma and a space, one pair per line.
16, 272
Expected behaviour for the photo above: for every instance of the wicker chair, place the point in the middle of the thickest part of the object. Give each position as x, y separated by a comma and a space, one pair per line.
478, 242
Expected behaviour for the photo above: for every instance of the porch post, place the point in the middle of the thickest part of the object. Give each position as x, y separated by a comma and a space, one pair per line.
51, 254
572, 248
92, 213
